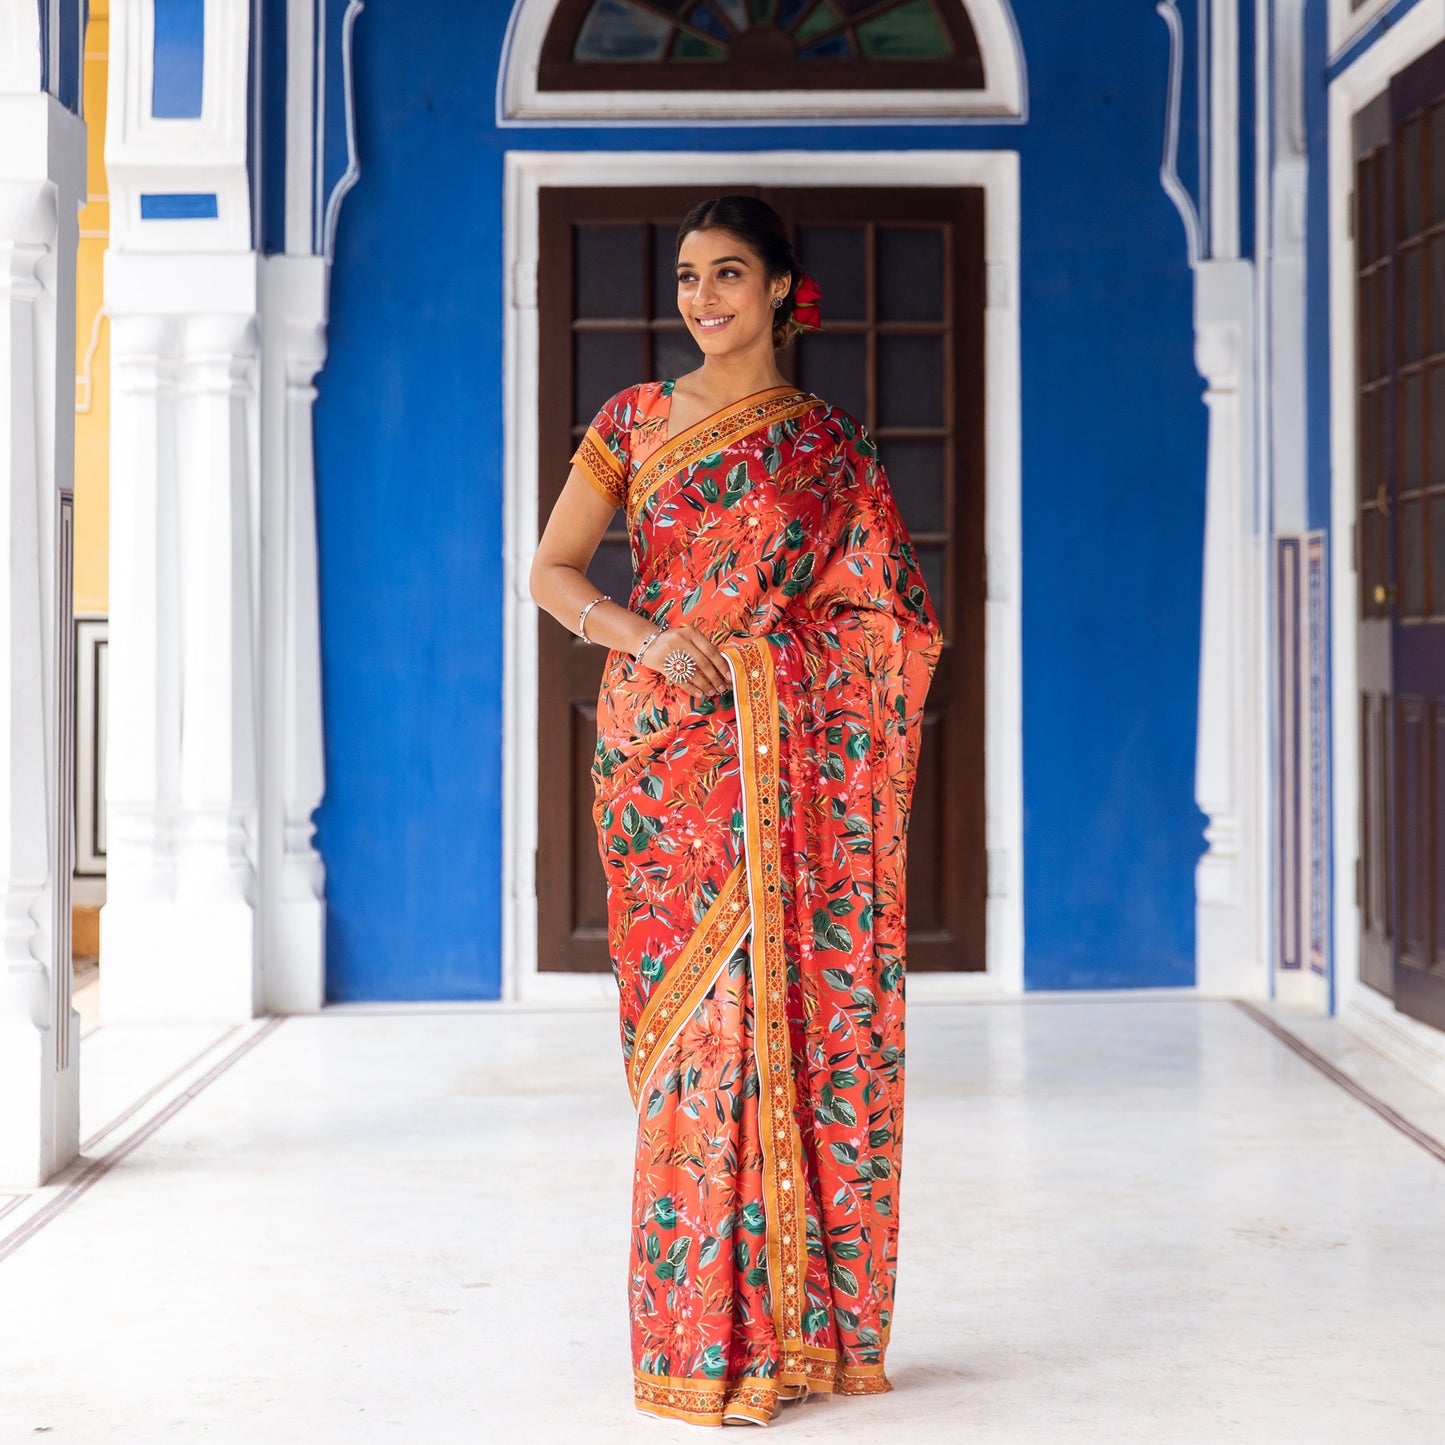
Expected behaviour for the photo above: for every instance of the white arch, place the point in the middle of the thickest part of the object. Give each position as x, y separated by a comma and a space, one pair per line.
1004, 96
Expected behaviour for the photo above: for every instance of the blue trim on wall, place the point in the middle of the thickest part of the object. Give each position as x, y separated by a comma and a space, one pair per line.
1246, 133
275, 60
180, 47
178, 206
1357, 45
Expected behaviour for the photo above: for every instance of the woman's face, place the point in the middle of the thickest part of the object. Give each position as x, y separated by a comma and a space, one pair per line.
724, 293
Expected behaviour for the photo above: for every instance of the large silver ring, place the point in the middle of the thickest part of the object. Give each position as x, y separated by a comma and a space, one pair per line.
678, 666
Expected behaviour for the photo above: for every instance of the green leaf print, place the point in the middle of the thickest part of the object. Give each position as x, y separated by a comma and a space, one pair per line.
631, 819
846, 1319
843, 1278
651, 968
737, 484
828, 933
844, 1153
815, 1319
844, 1112
711, 1248
753, 1220
709, 489
654, 1248
714, 1362
757, 1276
650, 784
846, 1249
678, 1251
664, 1211
838, 978
858, 745
801, 577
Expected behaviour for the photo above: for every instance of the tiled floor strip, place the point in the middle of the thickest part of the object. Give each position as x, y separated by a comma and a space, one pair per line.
1428, 1142
100, 1166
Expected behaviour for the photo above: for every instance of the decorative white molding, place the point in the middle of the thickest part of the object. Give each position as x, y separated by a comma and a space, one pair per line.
1004, 95
1353, 89
303, 84
147, 155
292, 875
1169, 164
1346, 22
349, 177
42, 183
997, 173
1231, 943
1221, 134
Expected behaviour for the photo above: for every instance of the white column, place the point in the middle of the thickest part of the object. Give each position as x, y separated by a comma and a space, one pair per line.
294, 292
178, 934
42, 181
1231, 877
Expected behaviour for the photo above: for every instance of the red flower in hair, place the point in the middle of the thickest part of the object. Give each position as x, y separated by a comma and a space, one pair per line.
805, 304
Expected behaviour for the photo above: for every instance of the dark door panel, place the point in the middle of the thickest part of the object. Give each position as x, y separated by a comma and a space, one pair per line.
902, 277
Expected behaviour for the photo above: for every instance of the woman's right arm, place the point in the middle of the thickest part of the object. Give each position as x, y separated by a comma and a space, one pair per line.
559, 585
558, 581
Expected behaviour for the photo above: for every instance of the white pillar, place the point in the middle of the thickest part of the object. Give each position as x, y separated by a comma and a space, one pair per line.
294, 290
178, 934
42, 182
1230, 878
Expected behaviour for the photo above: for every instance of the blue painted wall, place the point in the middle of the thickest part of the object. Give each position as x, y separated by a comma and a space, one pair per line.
410, 502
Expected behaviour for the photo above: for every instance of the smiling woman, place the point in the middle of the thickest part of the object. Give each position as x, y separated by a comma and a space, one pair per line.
757, 738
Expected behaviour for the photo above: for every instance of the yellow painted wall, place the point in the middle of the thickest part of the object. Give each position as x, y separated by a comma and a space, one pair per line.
92, 340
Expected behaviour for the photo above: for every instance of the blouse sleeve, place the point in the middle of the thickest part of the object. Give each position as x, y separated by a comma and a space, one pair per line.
604, 455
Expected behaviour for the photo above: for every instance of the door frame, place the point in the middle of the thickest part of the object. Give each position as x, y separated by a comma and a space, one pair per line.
996, 173
1369, 1013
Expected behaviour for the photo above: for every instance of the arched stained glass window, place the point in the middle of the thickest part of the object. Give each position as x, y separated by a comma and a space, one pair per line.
760, 45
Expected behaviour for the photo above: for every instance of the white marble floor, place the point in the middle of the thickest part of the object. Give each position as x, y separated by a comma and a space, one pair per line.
1125, 1219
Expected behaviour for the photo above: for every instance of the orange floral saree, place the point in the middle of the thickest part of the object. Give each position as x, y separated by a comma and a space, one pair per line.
754, 846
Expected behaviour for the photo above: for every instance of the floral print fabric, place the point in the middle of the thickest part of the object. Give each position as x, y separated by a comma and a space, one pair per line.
754, 846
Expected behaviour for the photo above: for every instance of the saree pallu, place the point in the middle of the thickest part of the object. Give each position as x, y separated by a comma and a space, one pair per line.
754, 845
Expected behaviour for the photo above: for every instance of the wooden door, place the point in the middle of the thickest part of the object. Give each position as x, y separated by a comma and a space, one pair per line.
1374, 547
902, 279
1417, 594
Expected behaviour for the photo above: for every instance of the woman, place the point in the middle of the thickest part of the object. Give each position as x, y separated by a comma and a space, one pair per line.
757, 735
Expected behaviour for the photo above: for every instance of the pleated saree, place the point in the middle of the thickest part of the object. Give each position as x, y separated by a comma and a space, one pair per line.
754, 846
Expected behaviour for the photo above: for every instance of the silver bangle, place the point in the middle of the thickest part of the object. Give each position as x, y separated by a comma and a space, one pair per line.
582, 620
642, 646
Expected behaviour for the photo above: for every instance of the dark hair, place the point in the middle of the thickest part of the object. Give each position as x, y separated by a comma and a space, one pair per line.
759, 227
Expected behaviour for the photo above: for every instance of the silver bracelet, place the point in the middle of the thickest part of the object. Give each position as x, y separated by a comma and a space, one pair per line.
582, 620
642, 646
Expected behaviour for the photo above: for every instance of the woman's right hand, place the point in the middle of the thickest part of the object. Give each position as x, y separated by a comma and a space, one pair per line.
712, 674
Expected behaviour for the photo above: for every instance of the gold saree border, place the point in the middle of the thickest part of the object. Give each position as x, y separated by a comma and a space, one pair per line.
686, 983
711, 434
753, 1397
594, 459
784, 1178
707, 1402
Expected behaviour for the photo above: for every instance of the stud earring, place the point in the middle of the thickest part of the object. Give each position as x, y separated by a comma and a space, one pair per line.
777, 301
